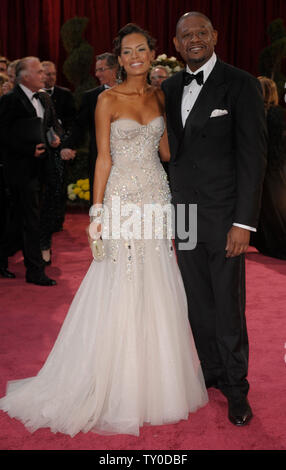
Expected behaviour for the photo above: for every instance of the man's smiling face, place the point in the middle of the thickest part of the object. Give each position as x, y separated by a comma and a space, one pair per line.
195, 40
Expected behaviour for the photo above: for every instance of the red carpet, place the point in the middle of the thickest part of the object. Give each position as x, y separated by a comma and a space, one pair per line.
31, 317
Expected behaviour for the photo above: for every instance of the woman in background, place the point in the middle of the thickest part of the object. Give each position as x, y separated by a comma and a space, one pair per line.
270, 238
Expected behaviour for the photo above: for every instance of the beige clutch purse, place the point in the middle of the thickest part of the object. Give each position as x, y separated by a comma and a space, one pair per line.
97, 249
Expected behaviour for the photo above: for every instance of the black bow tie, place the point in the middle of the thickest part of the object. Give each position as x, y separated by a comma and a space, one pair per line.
188, 78
49, 91
36, 96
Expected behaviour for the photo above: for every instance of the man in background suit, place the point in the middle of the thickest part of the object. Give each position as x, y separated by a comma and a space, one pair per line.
62, 98
106, 71
64, 105
20, 109
217, 137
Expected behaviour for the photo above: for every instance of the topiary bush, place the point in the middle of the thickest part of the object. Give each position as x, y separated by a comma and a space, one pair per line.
76, 68
272, 57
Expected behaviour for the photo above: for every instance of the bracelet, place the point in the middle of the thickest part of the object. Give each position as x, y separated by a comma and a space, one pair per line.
96, 213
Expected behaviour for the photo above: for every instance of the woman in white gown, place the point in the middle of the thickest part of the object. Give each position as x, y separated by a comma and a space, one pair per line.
125, 354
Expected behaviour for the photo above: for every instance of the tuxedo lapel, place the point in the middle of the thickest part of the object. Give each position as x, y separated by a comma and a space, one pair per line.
212, 92
46, 101
175, 114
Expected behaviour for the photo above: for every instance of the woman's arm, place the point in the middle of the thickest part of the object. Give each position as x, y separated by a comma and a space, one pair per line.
164, 149
103, 161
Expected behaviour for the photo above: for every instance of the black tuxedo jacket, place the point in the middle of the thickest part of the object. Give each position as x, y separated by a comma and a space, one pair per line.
64, 105
85, 122
218, 163
20, 163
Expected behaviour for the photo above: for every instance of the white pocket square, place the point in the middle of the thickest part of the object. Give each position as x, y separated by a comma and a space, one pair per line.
218, 112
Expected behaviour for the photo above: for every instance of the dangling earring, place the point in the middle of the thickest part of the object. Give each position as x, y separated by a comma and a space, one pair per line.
120, 74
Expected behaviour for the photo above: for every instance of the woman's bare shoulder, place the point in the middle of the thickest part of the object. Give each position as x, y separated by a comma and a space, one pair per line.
159, 95
160, 98
105, 96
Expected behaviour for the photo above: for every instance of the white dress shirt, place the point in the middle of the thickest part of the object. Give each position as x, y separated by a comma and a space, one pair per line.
35, 101
50, 90
190, 95
192, 91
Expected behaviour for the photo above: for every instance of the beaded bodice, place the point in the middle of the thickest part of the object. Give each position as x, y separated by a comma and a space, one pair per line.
137, 175
137, 180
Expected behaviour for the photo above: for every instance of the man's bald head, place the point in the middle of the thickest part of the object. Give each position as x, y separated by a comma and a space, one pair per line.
192, 13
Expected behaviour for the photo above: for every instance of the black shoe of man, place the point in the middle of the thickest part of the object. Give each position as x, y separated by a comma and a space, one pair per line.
239, 411
7, 274
41, 281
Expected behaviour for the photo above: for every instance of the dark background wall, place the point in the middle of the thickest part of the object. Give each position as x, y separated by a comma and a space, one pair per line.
32, 27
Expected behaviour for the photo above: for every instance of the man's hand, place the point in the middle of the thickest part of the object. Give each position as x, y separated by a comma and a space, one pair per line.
40, 148
237, 241
56, 142
68, 154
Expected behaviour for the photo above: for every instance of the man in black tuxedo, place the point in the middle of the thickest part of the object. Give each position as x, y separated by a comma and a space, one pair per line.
106, 71
217, 137
19, 109
62, 98
64, 105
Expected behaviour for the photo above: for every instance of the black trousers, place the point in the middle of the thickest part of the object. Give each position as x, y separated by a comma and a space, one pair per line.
53, 197
215, 288
26, 208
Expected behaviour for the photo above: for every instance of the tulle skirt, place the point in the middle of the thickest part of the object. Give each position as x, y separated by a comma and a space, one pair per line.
125, 354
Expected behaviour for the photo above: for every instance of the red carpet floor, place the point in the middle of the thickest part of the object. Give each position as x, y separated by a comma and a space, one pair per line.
31, 317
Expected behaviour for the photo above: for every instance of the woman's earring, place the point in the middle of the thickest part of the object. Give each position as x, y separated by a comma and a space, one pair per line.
120, 74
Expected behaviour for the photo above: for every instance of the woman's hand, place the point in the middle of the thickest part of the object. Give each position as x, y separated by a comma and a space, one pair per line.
94, 231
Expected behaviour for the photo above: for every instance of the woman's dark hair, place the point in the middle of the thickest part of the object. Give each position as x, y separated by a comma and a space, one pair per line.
132, 28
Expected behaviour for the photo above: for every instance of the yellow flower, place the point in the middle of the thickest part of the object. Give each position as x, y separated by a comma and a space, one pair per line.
87, 195
76, 190
85, 186
81, 194
79, 182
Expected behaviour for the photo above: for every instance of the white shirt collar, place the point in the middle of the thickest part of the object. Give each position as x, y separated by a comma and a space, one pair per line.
29, 93
206, 68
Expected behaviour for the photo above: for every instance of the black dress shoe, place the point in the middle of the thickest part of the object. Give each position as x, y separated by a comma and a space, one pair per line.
41, 281
239, 412
5, 273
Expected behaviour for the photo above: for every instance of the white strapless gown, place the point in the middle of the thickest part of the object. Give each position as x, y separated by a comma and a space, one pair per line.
125, 354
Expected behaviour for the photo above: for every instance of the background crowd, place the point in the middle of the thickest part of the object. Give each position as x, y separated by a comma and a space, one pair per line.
41, 129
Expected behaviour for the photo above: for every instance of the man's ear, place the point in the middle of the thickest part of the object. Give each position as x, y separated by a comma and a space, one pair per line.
215, 36
176, 44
